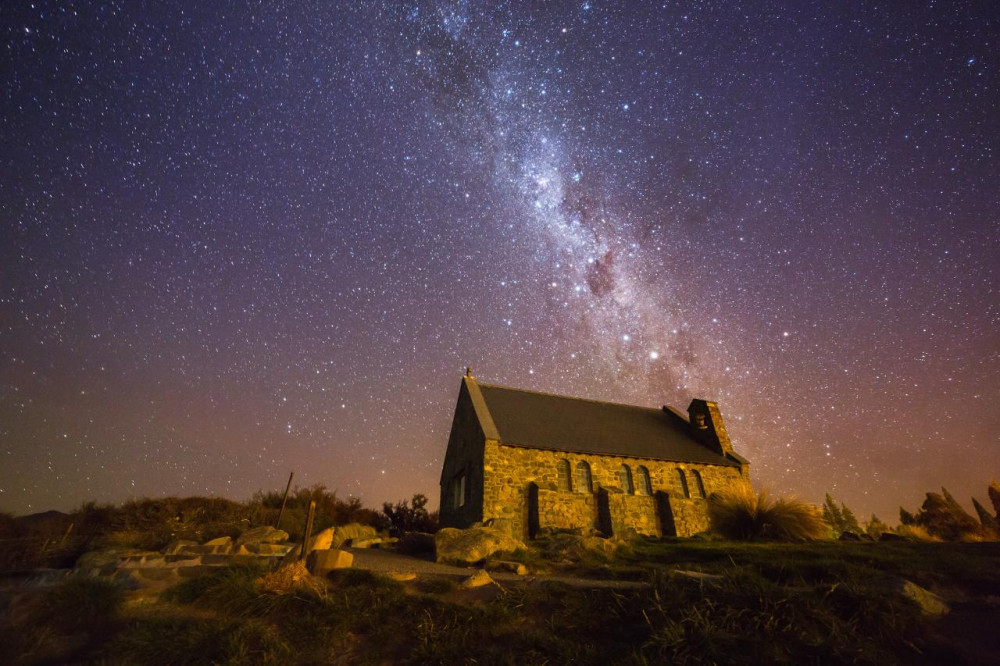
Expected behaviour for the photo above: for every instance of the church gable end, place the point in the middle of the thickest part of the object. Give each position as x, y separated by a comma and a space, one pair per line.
462, 472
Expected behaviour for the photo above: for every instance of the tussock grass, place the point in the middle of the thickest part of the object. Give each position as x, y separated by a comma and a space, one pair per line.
742, 514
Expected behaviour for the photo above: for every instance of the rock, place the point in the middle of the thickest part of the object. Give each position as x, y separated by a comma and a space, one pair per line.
929, 603
104, 562
505, 565
271, 549
263, 534
323, 540
322, 562
892, 536
220, 546
415, 543
478, 579
353, 531
365, 543
177, 547
576, 547
402, 577
473, 545
206, 549
849, 536
503, 525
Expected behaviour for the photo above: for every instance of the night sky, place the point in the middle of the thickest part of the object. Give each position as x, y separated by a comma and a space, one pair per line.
239, 240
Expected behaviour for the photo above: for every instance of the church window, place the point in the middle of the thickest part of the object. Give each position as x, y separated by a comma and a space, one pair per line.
682, 479
581, 480
458, 485
643, 487
565, 476
698, 483
625, 477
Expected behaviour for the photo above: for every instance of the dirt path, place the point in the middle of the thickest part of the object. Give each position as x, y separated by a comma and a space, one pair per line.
387, 561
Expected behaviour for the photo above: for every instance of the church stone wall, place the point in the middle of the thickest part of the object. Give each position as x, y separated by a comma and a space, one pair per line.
508, 473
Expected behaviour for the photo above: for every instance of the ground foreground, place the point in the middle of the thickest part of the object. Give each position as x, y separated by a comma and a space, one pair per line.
701, 602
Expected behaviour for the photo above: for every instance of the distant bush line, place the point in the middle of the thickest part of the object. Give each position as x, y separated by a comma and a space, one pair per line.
55, 539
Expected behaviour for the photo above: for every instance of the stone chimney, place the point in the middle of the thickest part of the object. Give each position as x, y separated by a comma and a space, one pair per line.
707, 426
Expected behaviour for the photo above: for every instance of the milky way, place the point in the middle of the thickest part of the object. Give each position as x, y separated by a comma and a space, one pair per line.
242, 240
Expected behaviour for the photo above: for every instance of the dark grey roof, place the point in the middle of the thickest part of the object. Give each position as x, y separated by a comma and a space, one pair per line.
547, 421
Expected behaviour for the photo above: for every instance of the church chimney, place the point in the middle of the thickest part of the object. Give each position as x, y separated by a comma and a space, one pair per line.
706, 422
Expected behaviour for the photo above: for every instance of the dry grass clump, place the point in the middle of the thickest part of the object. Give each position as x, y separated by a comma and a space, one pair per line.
289, 578
743, 515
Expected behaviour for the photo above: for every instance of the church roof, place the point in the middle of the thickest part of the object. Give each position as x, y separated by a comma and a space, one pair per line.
561, 423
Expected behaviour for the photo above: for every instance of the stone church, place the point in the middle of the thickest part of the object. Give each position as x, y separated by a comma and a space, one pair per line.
539, 460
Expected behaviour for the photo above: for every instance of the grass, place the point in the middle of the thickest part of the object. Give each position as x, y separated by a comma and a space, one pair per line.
742, 515
773, 602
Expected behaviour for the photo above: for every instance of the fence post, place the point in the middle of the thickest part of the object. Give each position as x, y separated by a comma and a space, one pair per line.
284, 499
309, 528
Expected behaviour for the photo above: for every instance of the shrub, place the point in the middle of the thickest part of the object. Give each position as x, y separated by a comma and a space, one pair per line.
411, 516
916, 533
741, 514
944, 518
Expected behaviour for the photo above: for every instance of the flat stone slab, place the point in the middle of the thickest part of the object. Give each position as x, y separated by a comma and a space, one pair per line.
321, 562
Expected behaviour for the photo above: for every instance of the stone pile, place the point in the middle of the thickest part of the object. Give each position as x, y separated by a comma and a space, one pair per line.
185, 559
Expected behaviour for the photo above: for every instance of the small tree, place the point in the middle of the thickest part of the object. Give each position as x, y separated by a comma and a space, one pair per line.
875, 527
840, 518
411, 516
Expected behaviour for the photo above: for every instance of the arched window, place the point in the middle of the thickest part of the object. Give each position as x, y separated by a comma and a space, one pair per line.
458, 491
644, 487
683, 480
581, 479
698, 483
625, 478
565, 476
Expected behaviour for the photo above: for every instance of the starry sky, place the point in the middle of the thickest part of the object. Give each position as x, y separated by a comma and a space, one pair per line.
240, 239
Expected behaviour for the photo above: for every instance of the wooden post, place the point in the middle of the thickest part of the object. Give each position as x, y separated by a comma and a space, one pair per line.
66, 536
309, 528
284, 499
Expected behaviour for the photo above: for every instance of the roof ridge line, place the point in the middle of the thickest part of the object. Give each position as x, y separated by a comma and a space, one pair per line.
571, 397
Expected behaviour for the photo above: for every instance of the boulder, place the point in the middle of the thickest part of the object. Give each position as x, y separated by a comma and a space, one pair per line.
892, 536
177, 547
323, 540
364, 543
322, 562
473, 545
271, 549
206, 549
263, 534
574, 547
352, 531
402, 577
105, 562
415, 543
929, 603
478, 579
220, 546
504, 525
505, 565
